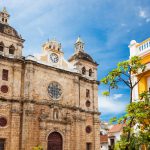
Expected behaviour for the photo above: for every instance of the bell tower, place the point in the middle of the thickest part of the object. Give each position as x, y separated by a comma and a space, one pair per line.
52, 53
83, 62
79, 45
11, 43
4, 16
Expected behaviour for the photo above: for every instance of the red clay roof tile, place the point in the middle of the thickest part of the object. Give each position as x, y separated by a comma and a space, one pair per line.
116, 128
104, 138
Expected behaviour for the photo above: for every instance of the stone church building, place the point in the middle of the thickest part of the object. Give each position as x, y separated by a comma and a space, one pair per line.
44, 99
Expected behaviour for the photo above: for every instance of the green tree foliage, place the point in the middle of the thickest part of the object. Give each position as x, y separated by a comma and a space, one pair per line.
137, 122
113, 120
38, 147
137, 113
105, 93
123, 73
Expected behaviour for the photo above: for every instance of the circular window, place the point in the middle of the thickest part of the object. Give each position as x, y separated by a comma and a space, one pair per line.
88, 129
54, 90
88, 103
4, 88
3, 122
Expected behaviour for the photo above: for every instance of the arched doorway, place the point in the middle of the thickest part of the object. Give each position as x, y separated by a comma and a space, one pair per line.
55, 141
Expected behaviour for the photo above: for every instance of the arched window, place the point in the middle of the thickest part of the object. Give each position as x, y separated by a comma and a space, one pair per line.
55, 114
1, 47
83, 70
11, 50
87, 93
90, 72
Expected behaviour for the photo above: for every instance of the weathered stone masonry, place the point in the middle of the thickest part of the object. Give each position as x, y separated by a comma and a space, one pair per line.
45, 99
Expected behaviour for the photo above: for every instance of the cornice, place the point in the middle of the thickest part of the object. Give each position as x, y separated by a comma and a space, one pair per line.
23, 61
50, 104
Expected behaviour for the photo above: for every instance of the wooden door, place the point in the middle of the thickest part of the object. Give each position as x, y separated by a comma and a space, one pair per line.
55, 141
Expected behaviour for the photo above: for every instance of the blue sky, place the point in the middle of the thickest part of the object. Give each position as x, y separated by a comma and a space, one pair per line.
106, 26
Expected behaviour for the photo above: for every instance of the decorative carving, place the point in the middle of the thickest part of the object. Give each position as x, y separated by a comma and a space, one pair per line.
78, 118
56, 114
68, 118
58, 121
4, 105
29, 108
56, 128
16, 108
43, 125
15, 111
43, 115
28, 112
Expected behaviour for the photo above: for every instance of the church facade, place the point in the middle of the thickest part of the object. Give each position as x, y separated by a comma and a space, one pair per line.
44, 99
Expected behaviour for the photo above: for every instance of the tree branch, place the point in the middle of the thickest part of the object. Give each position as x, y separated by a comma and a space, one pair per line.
126, 82
125, 74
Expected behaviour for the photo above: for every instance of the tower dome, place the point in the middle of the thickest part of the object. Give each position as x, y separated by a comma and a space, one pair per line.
11, 41
80, 54
5, 28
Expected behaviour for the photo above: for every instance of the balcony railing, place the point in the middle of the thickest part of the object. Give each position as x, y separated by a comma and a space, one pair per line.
144, 46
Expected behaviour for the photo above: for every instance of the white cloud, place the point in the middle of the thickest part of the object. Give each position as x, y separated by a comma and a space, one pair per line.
112, 105
143, 13
117, 96
123, 24
148, 20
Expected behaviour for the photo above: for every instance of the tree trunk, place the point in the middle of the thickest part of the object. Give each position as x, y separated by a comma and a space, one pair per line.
131, 91
129, 133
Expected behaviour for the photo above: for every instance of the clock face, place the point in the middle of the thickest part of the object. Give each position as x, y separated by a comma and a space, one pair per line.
54, 58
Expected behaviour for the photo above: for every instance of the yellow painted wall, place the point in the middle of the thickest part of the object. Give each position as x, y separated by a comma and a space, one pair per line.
142, 86
145, 59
